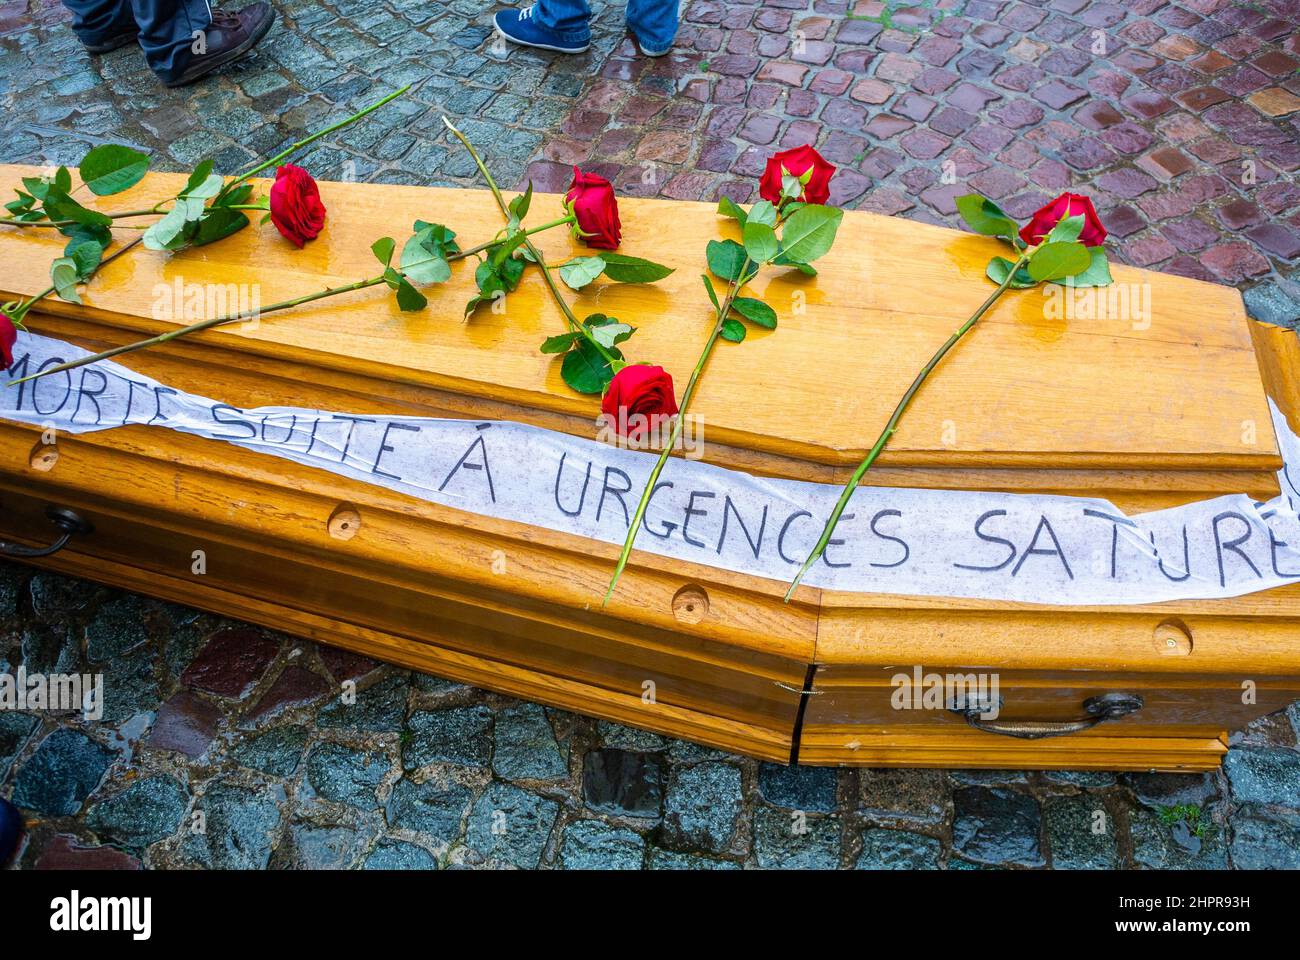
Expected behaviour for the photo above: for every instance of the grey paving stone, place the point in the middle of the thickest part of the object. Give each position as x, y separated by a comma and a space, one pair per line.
798, 788
675, 860
1264, 776
996, 826
145, 812
345, 774
399, 855
240, 826
65, 769
429, 807
910, 796
593, 845
793, 840
311, 847
456, 735
898, 850
15, 729
511, 825
525, 745
278, 751
702, 807
1265, 840
623, 782
1080, 834
379, 708
1162, 846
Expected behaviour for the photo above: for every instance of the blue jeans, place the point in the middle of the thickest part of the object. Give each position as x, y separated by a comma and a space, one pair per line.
654, 22
166, 27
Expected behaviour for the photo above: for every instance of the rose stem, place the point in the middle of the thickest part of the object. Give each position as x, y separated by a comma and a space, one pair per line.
311, 139
23, 308
536, 254
676, 432
892, 426
231, 318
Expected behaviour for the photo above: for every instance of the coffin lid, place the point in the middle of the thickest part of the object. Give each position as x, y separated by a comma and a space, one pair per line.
1030, 399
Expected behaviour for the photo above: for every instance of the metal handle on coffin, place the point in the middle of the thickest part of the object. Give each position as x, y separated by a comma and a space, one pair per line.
1107, 706
68, 521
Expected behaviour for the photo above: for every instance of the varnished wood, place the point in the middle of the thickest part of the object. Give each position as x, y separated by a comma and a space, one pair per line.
413, 582
1021, 394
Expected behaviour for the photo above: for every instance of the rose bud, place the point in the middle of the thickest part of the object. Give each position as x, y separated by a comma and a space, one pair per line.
638, 389
8, 337
296, 209
1066, 205
797, 161
591, 198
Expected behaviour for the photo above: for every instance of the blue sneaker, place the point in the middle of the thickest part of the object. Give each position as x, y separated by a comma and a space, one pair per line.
518, 26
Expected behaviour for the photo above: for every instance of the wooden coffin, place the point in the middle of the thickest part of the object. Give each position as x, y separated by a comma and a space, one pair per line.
1017, 408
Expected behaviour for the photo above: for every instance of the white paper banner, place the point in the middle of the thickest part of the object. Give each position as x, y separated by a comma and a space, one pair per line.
1026, 547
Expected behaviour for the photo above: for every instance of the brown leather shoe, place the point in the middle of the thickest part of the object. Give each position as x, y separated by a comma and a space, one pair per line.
129, 35
228, 37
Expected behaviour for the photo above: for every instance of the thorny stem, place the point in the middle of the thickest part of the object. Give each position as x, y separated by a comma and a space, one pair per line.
724, 308
574, 324
892, 426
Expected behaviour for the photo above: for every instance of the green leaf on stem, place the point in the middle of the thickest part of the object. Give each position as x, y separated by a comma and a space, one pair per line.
197, 178
383, 250
500, 253
408, 298
585, 369
755, 311
708, 286
726, 259
559, 343
23, 204
392, 277
580, 271
733, 330
728, 208
239, 196
60, 206
762, 211
760, 241
998, 269
608, 331
441, 239
810, 232
984, 216
112, 168
1067, 230
519, 205
81, 232
85, 256
421, 261
1096, 275
1054, 260
63, 275
624, 269
217, 223
63, 179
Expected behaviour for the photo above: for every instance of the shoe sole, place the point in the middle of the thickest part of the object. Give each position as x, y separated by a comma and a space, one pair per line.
234, 54
540, 46
111, 45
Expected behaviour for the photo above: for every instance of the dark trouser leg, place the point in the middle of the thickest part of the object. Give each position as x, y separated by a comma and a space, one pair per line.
167, 32
167, 27
97, 21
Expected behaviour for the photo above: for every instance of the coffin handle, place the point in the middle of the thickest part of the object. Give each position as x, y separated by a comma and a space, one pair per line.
68, 521
1106, 706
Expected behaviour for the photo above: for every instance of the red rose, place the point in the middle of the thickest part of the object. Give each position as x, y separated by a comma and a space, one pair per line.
594, 205
1066, 205
638, 389
796, 162
8, 337
296, 209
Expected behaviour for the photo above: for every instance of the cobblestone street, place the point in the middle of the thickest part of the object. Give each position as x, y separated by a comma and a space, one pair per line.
1181, 120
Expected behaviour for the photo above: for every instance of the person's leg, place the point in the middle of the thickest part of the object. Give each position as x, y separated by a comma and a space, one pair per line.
102, 25
562, 25
171, 32
654, 24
